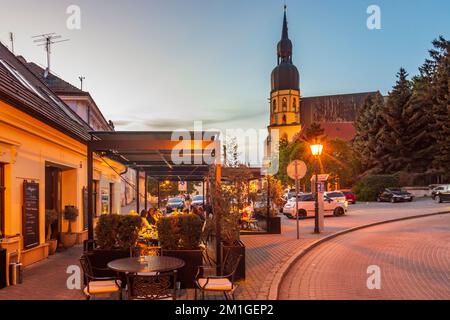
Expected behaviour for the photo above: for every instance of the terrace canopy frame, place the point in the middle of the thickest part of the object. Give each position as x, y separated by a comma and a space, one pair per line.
152, 152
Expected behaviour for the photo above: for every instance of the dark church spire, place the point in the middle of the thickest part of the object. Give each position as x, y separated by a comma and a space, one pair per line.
284, 47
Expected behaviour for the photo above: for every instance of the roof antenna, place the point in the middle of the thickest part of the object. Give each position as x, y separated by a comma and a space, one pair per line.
81, 82
11, 38
47, 40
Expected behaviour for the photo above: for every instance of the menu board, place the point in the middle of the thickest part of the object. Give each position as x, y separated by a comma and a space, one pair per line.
30, 218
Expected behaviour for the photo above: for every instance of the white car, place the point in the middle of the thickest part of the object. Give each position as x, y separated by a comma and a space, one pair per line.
306, 206
336, 195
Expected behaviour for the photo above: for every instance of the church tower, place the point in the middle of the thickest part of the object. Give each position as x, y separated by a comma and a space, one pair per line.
285, 93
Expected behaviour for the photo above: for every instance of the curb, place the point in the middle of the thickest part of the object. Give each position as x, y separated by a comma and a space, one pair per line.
280, 273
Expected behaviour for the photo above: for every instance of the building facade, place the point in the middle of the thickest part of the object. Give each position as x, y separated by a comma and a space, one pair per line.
43, 155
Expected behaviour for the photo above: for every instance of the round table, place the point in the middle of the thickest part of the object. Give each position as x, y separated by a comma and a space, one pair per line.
151, 264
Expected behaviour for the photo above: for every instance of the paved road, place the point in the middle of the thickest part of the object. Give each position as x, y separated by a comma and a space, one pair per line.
413, 256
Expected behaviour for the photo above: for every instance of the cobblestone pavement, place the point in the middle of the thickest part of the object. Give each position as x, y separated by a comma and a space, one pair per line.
413, 256
265, 254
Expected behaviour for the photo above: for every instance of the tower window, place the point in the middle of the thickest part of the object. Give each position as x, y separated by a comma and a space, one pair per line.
284, 104
274, 105
284, 119
295, 104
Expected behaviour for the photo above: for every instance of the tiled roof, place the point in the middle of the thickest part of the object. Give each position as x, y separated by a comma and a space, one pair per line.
48, 108
55, 83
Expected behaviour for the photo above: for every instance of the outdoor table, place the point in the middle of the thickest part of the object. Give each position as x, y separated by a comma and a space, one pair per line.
150, 264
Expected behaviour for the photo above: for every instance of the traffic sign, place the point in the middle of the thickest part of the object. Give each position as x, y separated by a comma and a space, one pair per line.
296, 169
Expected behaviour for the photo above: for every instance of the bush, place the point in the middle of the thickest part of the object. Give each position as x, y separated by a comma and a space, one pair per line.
180, 232
368, 188
71, 215
117, 232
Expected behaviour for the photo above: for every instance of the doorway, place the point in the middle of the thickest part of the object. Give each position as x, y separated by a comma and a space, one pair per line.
53, 198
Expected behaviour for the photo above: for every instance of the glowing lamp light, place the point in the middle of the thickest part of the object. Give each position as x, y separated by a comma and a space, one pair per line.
316, 149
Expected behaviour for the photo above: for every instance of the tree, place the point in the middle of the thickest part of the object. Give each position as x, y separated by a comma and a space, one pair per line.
314, 132
368, 124
391, 150
440, 86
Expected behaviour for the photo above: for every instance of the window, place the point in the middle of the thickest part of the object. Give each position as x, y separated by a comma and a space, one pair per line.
284, 119
294, 104
2, 199
21, 79
274, 105
284, 105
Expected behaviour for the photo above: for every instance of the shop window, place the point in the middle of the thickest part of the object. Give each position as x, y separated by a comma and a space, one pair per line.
2, 199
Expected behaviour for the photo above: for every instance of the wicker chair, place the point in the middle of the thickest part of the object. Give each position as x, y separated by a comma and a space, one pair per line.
98, 286
161, 286
224, 282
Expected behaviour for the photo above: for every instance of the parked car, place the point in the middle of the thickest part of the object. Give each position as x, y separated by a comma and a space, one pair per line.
197, 201
442, 197
440, 189
175, 203
336, 195
306, 206
349, 196
394, 195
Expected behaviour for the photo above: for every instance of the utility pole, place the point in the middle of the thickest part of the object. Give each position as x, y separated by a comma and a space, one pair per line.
11, 38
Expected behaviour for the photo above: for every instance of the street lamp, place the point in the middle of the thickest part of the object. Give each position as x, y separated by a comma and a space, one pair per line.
316, 150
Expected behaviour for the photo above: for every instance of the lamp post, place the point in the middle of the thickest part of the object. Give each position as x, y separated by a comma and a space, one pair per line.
316, 150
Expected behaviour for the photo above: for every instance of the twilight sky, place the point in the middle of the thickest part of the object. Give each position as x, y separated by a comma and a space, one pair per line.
163, 64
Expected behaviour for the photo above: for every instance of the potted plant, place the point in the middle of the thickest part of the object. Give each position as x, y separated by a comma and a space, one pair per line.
179, 237
51, 216
68, 238
228, 201
267, 216
115, 237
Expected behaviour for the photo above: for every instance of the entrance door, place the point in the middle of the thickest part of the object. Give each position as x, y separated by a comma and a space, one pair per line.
53, 197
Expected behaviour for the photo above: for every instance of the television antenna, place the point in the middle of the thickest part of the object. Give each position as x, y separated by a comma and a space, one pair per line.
81, 81
47, 40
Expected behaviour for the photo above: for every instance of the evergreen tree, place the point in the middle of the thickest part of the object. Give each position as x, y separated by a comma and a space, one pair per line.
441, 106
391, 149
314, 132
367, 126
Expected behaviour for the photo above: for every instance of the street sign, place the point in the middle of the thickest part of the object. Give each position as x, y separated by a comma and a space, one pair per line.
296, 169
320, 178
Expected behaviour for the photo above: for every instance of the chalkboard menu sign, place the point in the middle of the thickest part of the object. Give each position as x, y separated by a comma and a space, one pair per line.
30, 218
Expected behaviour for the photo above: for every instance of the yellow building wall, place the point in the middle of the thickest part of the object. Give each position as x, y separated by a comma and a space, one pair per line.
26, 146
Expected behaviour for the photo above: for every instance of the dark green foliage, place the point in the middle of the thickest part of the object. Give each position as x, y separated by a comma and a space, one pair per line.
71, 215
180, 232
117, 232
368, 188
314, 133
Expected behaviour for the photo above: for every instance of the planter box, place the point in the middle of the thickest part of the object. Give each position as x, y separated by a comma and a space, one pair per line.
52, 246
192, 259
238, 249
68, 239
272, 225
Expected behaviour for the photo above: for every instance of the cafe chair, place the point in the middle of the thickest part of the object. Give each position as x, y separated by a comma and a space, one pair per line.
224, 282
162, 286
98, 286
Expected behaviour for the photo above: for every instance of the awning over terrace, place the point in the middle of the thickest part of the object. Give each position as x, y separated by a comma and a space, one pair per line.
162, 155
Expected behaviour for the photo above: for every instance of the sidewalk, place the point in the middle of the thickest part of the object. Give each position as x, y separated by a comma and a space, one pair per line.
265, 254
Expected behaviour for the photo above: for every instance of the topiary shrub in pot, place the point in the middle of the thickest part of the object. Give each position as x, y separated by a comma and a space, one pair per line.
179, 237
70, 214
51, 216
